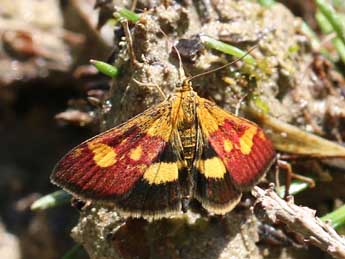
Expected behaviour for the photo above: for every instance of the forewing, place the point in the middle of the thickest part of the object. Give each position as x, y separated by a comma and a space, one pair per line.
241, 145
121, 164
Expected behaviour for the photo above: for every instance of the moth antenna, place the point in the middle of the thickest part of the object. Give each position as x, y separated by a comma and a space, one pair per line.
181, 72
224, 66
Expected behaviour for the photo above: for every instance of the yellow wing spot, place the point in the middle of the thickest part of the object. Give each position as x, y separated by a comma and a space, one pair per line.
228, 145
162, 172
135, 153
104, 155
212, 168
246, 140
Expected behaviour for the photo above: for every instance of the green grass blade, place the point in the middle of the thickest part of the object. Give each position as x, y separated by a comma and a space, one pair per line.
333, 18
340, 47
315, 42
324, 24
74, 253
105, 68
51, 200
336, 218
295, 188
129, 15
227, 49
327, 28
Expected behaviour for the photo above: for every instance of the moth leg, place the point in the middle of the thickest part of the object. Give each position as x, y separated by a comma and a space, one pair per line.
290, 175
306, 179
276, 175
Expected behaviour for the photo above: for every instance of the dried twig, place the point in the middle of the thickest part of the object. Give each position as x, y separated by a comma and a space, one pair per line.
301, 220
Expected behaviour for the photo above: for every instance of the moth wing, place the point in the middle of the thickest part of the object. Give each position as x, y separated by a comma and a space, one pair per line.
120, 165
213, 186
240, 144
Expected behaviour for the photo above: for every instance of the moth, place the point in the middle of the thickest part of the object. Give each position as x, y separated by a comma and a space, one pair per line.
184, 148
